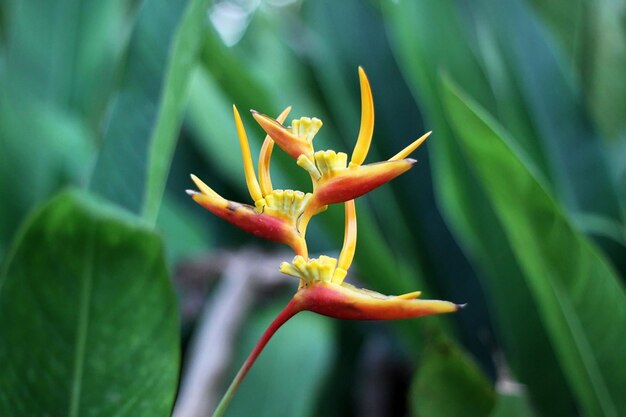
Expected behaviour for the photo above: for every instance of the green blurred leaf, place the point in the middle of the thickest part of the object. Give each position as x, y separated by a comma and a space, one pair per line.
184, 234
288, 376
88, 317
42, 148
449, 384
512, 405
593, 34
210, 119
556, 110
462, 198
66, 52
141, 135
577, 291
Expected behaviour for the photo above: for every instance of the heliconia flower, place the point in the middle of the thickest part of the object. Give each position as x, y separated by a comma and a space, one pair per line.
323, 291
334, 179
283, 216
275, 212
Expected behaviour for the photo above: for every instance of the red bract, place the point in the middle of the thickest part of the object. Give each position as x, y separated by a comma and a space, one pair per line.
350, 303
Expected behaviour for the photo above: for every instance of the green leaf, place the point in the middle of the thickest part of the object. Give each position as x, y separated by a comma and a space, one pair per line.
88, 317
577, 291
512, 405
210, 120
288, 376
141, 135
184, 234
592, 34
556, 109
42, 148
65, 52
449, 384
462, 198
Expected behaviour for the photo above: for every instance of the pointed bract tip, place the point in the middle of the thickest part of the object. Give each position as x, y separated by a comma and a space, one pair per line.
461, 306
191, 192
411, 161
254, 111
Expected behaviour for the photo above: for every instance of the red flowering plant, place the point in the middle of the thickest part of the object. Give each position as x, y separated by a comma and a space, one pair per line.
283, 215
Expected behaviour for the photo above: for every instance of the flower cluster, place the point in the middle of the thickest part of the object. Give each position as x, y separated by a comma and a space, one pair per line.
283, 216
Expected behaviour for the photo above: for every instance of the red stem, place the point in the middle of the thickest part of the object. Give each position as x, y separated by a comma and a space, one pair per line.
290, 310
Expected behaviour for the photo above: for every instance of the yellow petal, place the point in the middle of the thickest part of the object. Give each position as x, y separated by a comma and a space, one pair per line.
367, 121
409, 149
204, 189
265, 181
410, 295
248, 166
349, 242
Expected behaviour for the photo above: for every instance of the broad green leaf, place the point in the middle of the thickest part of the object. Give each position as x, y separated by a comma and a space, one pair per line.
88, 317
462, 199
141, 135
577, 291
288, 376
448, 384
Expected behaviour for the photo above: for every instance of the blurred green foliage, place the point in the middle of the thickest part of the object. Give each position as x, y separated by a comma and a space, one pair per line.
516, 206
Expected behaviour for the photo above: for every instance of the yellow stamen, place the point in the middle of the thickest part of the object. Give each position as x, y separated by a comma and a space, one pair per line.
409, 149
204, 189
367, 122
309, 271
287, 204
264, 158
248, 167
349, 243
306, 128
306, 163
330, 163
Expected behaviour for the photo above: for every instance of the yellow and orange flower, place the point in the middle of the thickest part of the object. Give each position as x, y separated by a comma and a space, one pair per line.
283, 216
323, 290
275, 212
334, 179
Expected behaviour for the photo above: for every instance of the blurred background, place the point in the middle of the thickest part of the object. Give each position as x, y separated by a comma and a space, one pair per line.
516, 206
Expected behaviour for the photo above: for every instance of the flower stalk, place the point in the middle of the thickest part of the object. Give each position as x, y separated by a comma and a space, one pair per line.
290, 310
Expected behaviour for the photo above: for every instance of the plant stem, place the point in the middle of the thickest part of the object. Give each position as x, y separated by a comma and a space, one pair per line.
290, 310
